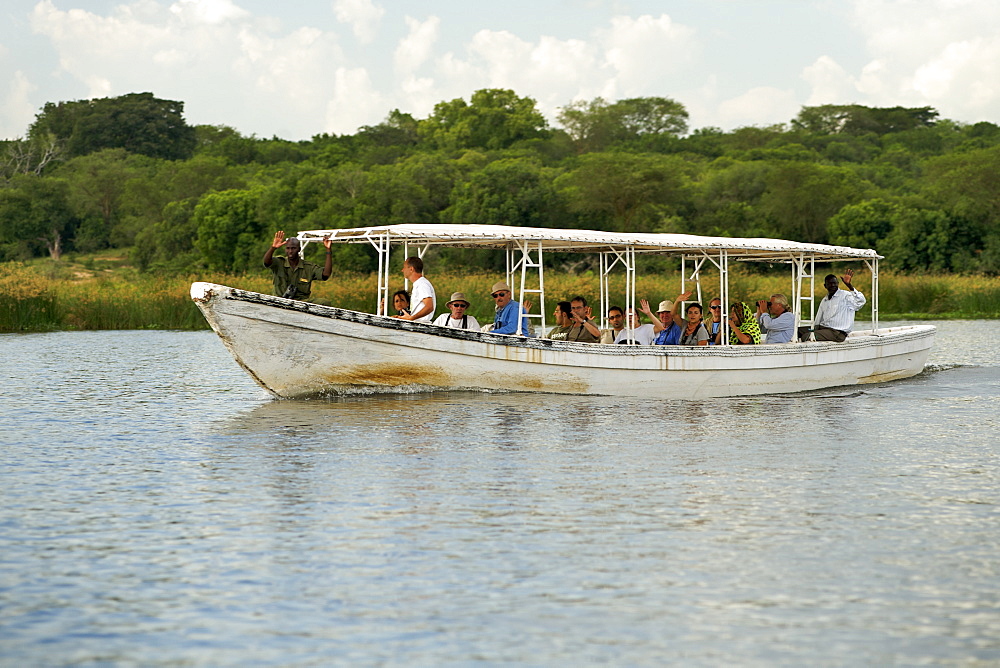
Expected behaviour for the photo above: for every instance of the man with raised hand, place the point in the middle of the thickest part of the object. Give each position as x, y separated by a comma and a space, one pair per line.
835, 316
293, 276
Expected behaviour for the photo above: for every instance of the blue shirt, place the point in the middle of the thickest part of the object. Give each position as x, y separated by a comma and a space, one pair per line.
670, 336
508, 318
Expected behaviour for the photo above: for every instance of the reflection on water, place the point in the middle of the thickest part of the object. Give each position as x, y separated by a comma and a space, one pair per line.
159, 509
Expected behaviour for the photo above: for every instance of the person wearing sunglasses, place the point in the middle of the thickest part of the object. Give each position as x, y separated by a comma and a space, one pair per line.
714, 326
616, 316
458, 318
508, 318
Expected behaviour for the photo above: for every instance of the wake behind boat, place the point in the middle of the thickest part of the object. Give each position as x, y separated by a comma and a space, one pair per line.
298, 349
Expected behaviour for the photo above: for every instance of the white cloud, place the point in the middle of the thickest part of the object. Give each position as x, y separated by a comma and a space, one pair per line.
631, 57
228, 67
759, 106
414, 49
362, 15
354, 103
830, 83
942, 53
17, 112
211, 12
644, 51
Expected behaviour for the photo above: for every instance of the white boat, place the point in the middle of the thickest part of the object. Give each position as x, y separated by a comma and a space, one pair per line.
298, 349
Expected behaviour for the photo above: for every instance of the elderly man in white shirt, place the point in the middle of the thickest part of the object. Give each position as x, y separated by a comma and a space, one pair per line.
457, 318
835, 317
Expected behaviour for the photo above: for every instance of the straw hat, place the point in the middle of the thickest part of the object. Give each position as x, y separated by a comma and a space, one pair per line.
458, 297
497, 287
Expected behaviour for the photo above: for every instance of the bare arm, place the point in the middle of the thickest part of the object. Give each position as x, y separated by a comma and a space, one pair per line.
279, 241
328, 266
588, 323
644, 307
676, 315
425, 307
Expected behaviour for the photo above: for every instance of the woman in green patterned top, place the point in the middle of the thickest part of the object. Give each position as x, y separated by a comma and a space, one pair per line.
743, 327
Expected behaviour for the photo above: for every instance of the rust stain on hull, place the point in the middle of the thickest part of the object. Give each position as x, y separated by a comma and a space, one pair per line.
388, 374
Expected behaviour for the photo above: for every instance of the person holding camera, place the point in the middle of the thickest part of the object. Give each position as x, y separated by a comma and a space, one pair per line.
775, 319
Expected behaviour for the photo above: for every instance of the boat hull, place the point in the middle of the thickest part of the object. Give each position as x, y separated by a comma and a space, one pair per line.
296, 349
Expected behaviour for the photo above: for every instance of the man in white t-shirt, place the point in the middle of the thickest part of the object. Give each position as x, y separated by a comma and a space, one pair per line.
458, 318
634, 332
422, 298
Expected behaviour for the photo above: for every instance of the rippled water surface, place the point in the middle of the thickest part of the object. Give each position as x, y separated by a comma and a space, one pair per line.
158, 509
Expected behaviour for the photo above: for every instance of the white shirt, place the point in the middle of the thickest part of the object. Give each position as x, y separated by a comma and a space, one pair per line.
422, 289
445, 320
837, 312
644, 335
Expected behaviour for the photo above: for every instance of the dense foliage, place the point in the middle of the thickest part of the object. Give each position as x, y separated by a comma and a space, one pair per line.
129, 173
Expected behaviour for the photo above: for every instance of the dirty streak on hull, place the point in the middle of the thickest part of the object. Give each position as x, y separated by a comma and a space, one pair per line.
296, 349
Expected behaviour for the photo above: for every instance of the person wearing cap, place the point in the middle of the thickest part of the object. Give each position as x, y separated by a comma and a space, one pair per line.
293, 276
508, 318
458, 318
423, 301
668, 332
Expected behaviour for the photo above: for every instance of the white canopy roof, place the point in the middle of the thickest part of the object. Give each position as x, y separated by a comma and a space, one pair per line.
586, 241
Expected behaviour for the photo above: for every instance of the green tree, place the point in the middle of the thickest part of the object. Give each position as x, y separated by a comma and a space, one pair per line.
230, 233
728, 200
965, 186
97, 184
863, 225
856, 119
598, 125
801, 197
509, 191
493, 119
35, 217
137, 122
626, 192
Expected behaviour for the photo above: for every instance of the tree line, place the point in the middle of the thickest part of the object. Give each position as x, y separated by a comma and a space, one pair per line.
130, 173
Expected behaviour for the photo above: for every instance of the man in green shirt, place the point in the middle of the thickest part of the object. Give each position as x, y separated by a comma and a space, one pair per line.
293, 276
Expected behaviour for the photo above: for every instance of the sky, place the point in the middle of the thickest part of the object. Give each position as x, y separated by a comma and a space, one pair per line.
299, 68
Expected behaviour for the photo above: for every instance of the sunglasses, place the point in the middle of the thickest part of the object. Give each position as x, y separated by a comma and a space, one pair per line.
715, 308
498, 294
454, 305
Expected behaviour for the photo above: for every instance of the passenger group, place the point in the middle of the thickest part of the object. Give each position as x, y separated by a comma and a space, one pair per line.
574, 320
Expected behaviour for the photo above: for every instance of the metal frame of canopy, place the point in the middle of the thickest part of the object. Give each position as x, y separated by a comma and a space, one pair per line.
524, 249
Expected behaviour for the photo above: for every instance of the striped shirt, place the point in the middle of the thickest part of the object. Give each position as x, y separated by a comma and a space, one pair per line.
837, 312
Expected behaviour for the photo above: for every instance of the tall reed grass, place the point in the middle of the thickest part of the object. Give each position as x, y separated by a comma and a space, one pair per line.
33, 301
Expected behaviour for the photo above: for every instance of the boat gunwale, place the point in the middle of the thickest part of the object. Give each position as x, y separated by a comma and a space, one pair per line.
858, 339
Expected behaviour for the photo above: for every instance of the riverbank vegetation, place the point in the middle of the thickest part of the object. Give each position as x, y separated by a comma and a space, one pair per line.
128, 178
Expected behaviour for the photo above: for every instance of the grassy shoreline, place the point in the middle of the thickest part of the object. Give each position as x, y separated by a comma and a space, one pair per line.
44, 296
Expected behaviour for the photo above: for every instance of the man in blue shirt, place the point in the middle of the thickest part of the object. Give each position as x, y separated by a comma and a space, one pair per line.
670, 334
508, 319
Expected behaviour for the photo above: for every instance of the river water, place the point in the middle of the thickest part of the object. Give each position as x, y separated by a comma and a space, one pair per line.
158, 509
